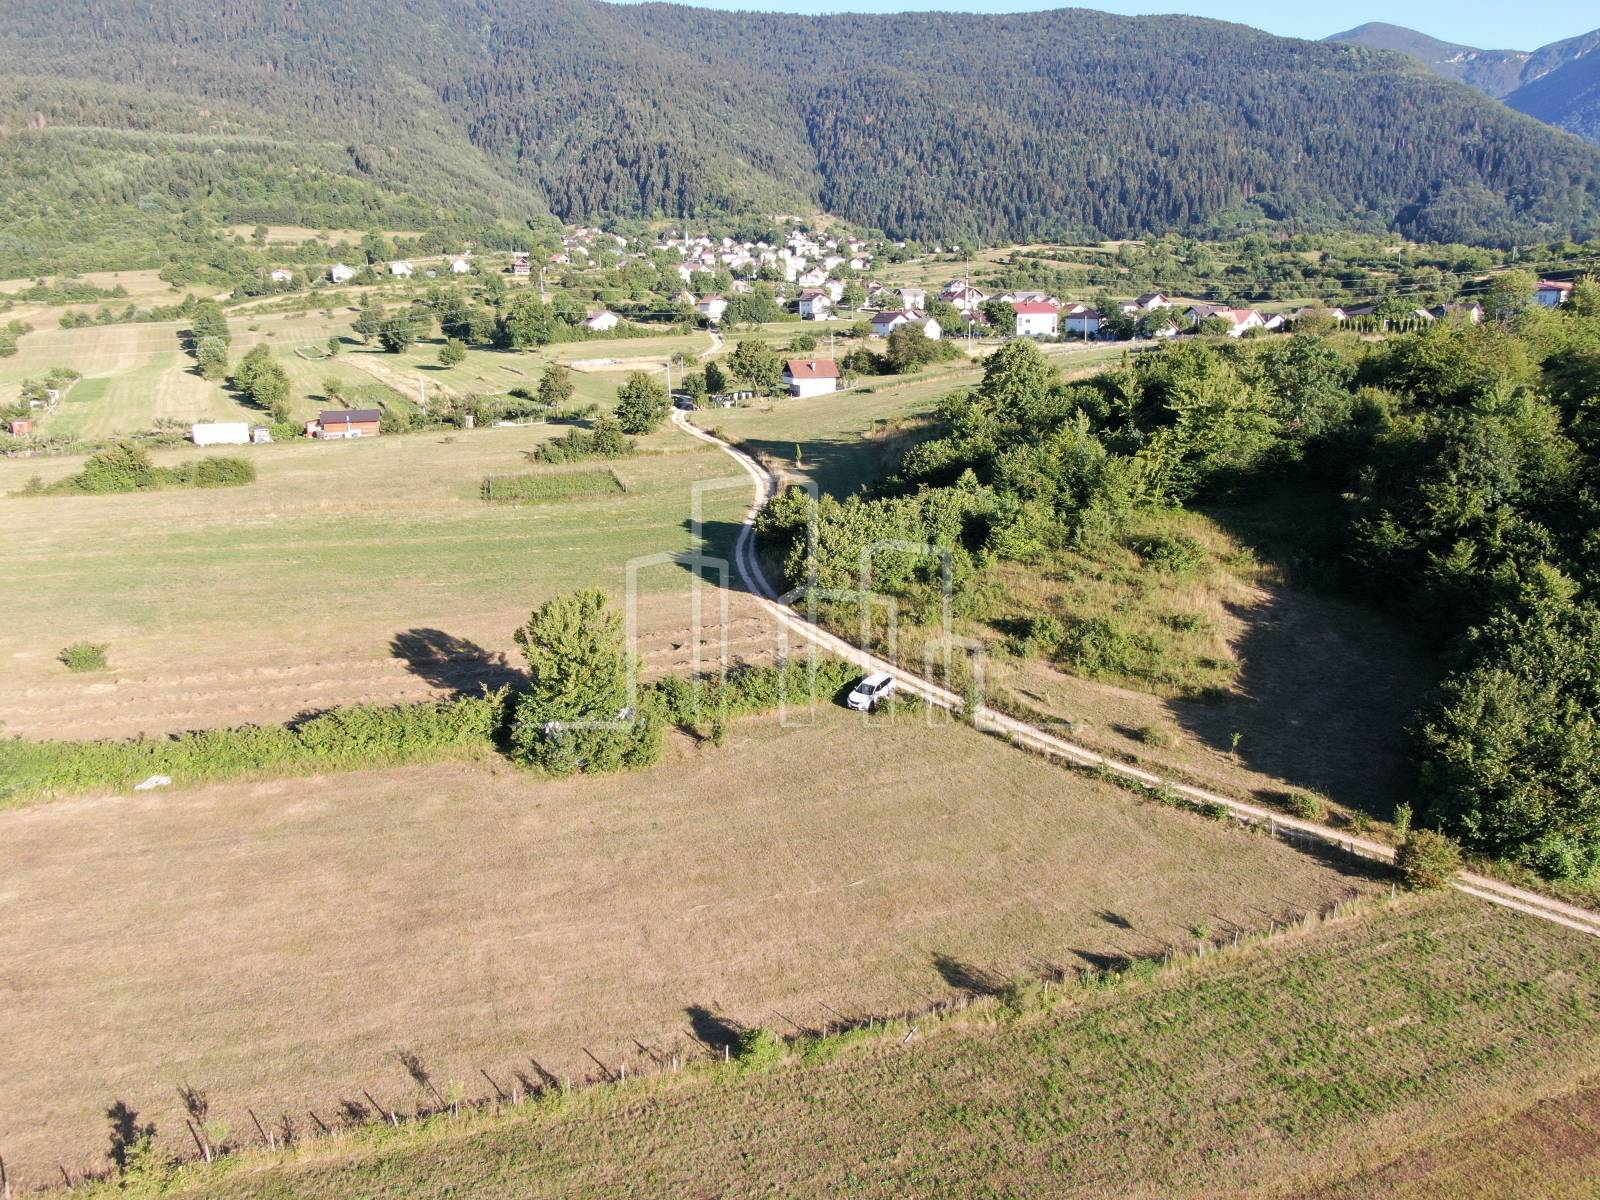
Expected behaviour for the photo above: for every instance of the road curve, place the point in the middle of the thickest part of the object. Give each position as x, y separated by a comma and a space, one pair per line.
1041, 741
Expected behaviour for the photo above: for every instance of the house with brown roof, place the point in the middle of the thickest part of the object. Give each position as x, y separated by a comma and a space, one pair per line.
811, 376
333, 424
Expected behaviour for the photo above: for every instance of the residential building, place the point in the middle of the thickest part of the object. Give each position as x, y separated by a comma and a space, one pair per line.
1037, 318
341, 273
712, 308
815, 304
1082, 321
333, 424
888, 321
460, 266
811, 376
601, 322
282, 275
402, 269
1552, 292
521, 263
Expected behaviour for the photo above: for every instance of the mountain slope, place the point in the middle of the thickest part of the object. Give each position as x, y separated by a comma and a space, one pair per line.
1556, 83
1498, 72
133, 114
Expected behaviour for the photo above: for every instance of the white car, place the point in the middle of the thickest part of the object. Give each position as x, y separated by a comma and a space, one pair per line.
871, 692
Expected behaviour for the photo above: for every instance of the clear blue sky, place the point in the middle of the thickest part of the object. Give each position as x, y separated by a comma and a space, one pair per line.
1490, 24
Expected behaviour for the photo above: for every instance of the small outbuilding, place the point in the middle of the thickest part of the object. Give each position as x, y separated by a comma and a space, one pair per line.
220, 433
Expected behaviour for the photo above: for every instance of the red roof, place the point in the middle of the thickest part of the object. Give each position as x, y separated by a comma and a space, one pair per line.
1555, 285
812, 368
1035, 308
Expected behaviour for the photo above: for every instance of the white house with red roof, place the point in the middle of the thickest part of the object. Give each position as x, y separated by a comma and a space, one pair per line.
1551, 292
712, 308
1037, 318
811, 376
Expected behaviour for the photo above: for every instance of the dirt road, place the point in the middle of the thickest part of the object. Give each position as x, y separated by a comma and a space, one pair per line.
1031, 737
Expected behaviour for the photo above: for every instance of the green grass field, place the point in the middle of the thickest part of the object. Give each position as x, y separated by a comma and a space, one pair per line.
1347, 1062
254, 603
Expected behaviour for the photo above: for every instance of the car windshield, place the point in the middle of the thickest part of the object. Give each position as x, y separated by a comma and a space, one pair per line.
866, 689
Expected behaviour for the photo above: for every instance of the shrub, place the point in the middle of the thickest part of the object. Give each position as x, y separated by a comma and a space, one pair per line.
361, 735
758, 1048
84, 656
1158, 736
1172, 553
122, 467
1306, 806
1046, 630
220, 471
539, 489
1428, 860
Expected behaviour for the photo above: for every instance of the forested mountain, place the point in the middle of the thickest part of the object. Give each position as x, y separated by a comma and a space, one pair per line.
120, 117
1559, 83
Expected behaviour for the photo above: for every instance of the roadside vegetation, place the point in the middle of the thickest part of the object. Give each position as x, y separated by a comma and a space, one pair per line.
1459, 472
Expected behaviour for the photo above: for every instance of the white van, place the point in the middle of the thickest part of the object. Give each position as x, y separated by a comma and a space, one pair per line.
871, 692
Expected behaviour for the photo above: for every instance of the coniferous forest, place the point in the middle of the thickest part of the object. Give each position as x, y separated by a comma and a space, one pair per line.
117, 119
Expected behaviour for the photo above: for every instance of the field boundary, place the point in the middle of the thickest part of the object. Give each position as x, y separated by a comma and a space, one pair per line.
989, 720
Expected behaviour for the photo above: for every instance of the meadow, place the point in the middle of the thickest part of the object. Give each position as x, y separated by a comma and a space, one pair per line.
1437, 1049
273, 943
343, 575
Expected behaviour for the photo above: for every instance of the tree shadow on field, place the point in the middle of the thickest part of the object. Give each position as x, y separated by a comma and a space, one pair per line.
1325, 691
715, 1031
453, 664
968, 977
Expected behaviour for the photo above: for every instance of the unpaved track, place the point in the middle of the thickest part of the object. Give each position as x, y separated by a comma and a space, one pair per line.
1036, 739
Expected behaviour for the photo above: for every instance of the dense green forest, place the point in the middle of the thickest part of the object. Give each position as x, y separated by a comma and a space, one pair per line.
118, 119
1457, 471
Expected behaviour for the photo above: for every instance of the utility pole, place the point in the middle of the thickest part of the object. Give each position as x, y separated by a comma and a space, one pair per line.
422, 390
541, 284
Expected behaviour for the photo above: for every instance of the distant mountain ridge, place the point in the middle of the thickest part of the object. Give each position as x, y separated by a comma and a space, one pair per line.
128, 115
1558, 84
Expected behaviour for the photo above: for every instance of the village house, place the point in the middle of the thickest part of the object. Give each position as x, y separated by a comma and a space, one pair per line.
335, 423
1082, 321
1037, 318
815, 304
282, 275
888, 321
914, 298
403, 269
813, 278
341, 273
460, 266
521, 263
1151, 301
21, 427
601, 322
1552, 292
1471, 313
712, 308
966, 299
811, 377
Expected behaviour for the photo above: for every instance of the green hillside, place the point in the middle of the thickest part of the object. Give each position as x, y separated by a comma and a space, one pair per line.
119, 119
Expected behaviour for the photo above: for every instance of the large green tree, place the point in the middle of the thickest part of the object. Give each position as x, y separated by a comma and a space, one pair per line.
574, 715
642, 403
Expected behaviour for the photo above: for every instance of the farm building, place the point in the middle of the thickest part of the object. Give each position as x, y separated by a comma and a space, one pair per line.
341, 273
601, 322
811, 377
220, 433
335, 423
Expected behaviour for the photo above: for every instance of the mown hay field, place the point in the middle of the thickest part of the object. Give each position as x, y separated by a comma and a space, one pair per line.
1440, 1051
306, 588
274, 942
